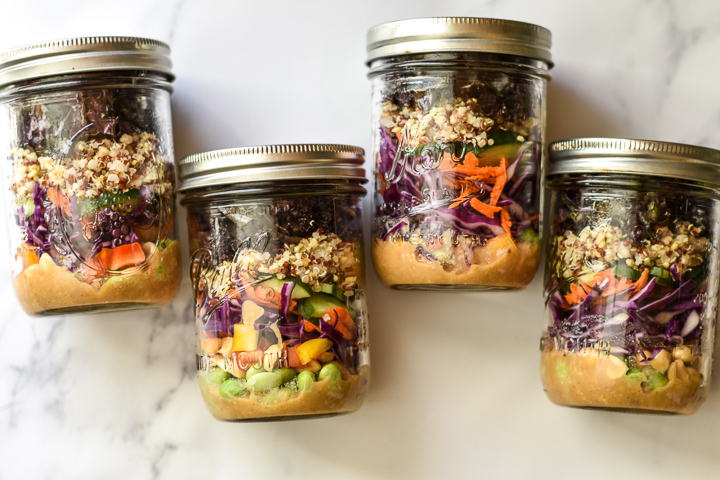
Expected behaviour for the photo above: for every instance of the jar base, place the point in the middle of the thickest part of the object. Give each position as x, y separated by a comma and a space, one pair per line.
98, 308
436, 287
285, 418
632, 411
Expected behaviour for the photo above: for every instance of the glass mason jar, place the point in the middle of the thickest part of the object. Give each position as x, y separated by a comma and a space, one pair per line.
88, 177
631, 281
276, 238
458, 134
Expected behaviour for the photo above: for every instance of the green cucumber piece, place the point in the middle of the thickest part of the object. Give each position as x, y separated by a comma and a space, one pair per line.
332, 289
699, 273
624, 271
28, 206
131, 198
662, 277
301, 290
319, 304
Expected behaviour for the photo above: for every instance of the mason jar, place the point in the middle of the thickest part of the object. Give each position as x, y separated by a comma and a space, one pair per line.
631, 281
458, 121
276, 236
88, 177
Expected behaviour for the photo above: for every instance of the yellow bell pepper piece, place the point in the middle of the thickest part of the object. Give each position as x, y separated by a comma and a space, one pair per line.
245, 338
312, 349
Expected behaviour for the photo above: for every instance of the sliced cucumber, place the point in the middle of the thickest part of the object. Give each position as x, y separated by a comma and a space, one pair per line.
624, 271
332, 289
127, 201
319, 304
662, 277
301, 290
698, 273
28, 206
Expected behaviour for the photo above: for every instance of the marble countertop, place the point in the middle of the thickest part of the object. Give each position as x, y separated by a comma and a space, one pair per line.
455, 390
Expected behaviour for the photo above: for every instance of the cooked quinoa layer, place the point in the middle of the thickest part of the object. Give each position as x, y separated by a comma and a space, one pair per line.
448, 121
314, 260
605, 244
94, 167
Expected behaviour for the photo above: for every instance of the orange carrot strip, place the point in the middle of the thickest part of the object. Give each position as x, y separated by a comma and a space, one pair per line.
505, 220
499, 183
341, 320
642, 281
484, 208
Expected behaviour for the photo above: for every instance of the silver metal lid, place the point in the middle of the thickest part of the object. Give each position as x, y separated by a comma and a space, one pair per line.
87, 54
459, 34
638, 157
271, 163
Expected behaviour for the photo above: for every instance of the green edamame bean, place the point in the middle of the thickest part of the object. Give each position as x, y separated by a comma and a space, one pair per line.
330, 371
253, 371
287, 374
216, 376
262, 382
305, 380
233, 387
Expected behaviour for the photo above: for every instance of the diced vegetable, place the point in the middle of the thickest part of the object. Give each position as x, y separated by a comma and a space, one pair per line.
245, 338
233, 387
624, 271
662, 276
319, 304
124, 256
124, 201
312, 349
334, 290
29, 255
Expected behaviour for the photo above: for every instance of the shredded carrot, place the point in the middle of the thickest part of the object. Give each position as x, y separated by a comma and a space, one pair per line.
310, 327
339, 318
505, 220
643, 280
616, 284
578, 292
484, 208
499, 183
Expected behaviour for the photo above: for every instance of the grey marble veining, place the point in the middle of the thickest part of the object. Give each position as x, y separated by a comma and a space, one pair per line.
115, 395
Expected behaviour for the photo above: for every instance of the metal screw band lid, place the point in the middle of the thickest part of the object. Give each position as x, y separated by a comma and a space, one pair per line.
638, 157
86, 54
271, 163
459, 34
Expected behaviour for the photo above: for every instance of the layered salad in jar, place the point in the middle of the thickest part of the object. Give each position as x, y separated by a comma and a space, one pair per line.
630, 302
457, 187
281, 318
93, 199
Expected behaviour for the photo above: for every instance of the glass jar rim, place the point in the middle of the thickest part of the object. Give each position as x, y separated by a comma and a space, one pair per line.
271, 163
635, 157
459, 34
84, 54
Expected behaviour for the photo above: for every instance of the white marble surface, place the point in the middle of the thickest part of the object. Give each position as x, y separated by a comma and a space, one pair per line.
455, 390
